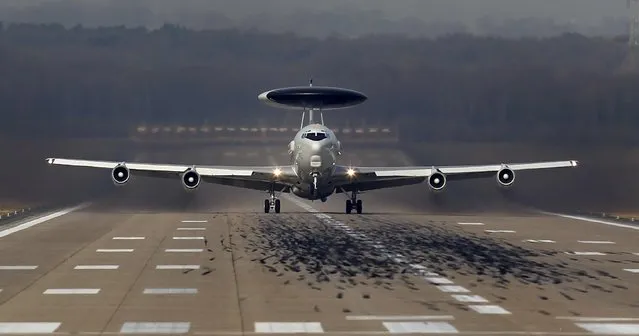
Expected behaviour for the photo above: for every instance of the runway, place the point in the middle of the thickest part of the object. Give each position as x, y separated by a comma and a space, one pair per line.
148, 259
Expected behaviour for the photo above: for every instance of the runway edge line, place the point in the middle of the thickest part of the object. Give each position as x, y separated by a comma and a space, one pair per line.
42, 219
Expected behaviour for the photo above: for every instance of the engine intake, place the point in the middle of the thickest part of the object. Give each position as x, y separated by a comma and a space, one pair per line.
505, 177
437, 181
120, 174
191, 179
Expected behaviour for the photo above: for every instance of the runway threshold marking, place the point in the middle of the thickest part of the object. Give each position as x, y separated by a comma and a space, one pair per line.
444, 285
42, 219
611, 328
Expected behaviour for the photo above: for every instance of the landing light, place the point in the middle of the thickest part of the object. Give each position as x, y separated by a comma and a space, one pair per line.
277, 172
350, 172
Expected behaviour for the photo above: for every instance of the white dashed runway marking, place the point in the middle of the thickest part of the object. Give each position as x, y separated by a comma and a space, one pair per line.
439, 281
611, 328
188, 238
170, 291
97, 267
453, 289
78, 291
191, 229
288, 327
443, 284
489, 309
177, 267
500, 231
114, 250
194, 221
28, 327
420, 327
595, 242
631, 270
128, 238
470, 298
586, 253
183, 250
468, 223
18, 268
539, 241
155, 328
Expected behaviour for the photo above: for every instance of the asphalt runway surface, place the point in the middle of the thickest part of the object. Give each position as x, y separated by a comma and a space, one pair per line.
149, 258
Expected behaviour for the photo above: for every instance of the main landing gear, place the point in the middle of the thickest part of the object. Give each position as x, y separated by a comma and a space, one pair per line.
353, 203
272, 203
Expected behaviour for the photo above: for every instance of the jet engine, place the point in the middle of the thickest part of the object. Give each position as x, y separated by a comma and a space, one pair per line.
505, 177
437, 181
120, 174
191, 179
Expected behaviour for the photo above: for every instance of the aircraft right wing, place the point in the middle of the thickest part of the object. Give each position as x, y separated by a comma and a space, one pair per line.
372, 178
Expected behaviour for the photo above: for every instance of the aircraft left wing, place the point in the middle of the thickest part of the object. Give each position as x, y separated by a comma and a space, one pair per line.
372, 178
256, 177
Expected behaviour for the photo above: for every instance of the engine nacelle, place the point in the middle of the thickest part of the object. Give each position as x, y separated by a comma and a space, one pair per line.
505, 177
120, 174
437, 181
191, 179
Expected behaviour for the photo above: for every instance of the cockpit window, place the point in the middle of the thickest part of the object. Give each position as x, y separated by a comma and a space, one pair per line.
314, 136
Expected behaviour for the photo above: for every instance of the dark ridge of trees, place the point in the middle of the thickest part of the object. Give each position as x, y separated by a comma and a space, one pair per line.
104, 81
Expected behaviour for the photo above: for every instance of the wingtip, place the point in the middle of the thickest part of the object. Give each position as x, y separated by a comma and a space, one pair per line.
50, 160
574, 163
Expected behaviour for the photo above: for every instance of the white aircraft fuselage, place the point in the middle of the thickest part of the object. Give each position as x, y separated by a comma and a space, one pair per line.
314, 153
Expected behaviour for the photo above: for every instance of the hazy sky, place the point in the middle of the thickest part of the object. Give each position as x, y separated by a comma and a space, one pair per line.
589, 10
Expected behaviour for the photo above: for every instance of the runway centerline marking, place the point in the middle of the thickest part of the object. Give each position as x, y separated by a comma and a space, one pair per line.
41, 220
444, 285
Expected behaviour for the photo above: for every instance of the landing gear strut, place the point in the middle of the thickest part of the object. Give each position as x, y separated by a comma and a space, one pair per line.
272, 203
353, 203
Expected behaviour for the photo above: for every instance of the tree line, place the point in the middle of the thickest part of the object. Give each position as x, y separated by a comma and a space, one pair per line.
57, 81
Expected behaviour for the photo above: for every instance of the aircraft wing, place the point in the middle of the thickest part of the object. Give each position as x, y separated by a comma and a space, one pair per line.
249, 177
372, 178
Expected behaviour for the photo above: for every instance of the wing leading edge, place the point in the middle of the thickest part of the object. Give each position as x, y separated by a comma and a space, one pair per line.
372, 178
258, 177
